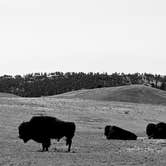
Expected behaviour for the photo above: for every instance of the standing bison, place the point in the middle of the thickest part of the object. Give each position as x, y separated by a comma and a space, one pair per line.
44, 128
156, 131
114, 132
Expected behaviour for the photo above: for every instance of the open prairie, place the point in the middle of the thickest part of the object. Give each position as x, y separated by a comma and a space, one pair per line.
90, 147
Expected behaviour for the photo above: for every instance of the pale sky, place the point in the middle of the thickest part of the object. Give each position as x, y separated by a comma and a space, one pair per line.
82, 36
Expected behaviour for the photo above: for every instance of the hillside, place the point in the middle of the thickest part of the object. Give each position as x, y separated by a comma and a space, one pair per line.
89, 147
47, 84
7, 95
129, 93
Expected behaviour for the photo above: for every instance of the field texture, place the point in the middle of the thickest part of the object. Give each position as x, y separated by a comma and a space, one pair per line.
90, 147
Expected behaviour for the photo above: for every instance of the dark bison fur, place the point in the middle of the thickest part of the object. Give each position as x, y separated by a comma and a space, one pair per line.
114, 132
150, 130
156, 131
44, 128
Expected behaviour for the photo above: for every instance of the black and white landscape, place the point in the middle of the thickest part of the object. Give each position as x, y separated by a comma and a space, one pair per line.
92, 64
91, 110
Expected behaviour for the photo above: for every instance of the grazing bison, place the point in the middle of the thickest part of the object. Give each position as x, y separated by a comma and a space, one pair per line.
114, 132
44, 128
156, 131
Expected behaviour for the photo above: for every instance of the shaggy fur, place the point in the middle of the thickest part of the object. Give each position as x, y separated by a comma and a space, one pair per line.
156, 131
114, 132
150, 130
44, 128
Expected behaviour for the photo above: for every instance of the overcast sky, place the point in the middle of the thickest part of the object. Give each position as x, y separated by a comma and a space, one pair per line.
82, 36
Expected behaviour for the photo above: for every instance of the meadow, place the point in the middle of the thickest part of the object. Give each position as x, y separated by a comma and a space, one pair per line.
90, 147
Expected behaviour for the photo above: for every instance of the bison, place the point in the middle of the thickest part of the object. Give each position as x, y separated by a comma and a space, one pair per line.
150, 130
44, 128
156, 131
114, 132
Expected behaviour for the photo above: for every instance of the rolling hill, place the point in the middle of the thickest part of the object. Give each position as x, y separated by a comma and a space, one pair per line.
89, 147
130, 93
10, 95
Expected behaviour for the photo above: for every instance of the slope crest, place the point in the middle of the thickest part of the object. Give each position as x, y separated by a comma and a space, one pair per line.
7, 95
129, 93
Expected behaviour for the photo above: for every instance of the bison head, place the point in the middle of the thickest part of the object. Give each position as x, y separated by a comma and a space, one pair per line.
107, 131
151, 130
24, 131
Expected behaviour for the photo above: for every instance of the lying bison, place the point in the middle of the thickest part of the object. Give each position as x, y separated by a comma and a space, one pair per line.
156, 131
44, 128
114, 132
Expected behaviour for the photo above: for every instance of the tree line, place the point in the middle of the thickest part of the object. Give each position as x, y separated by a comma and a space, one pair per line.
44, 84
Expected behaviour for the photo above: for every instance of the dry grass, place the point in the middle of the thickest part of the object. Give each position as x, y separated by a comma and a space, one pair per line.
128, 93
90, 148
9, 95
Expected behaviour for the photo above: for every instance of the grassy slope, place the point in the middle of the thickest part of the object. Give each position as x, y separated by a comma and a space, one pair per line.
7, 95
89, 115
92, 114
89, 145
132, 93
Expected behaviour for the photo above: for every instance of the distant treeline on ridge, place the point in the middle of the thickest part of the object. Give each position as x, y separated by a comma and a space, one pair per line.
44, 84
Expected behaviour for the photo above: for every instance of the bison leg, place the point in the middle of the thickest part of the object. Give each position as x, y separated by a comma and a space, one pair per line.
150, 137
69, 142
46, 144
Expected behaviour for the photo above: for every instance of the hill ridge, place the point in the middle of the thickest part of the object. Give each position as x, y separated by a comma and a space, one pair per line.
10, 95
128, 93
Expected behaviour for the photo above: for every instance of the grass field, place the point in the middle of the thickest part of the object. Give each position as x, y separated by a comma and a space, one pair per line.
90, 148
